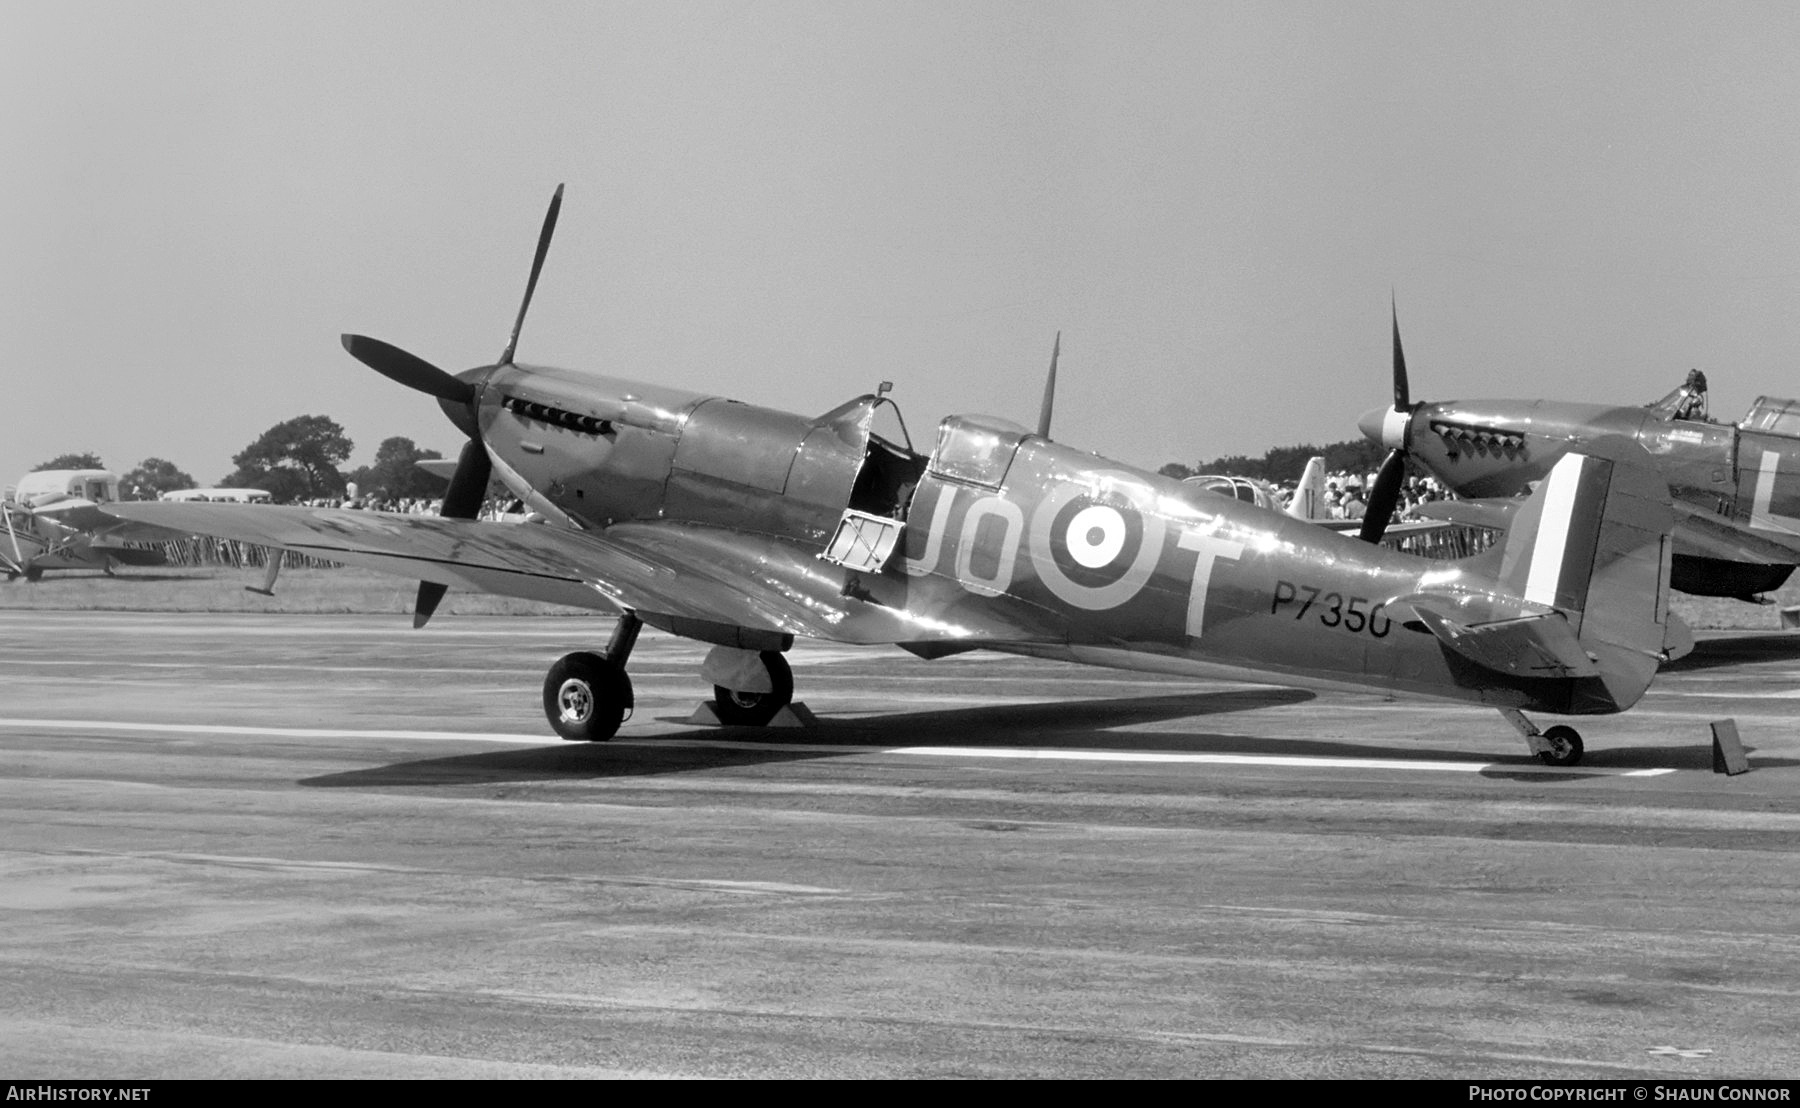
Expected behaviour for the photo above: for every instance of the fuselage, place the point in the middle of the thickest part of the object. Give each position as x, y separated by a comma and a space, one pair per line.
1737, 485
44, 523
1065, 553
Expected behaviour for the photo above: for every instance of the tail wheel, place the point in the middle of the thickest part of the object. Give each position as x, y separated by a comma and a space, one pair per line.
753, 709
1565, 747
586, 697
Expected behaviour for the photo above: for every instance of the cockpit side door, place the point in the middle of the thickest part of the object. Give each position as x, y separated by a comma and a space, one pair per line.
1697, 459
843, 463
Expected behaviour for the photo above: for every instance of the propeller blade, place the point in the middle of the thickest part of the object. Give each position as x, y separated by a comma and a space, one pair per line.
1049, 390
463, 501
1402, 396
408, 369
430, 592
1383, 497
537, 265
468, 485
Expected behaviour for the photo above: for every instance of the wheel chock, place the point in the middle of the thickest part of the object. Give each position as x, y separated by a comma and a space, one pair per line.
1728, 753
793, 715
706, 715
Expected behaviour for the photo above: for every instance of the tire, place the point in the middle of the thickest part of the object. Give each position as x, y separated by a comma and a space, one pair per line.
746, 709
1566, 747
586, 697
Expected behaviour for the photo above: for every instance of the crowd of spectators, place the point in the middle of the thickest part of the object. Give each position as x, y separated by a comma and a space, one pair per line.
502, 509
413, 506
1346, 495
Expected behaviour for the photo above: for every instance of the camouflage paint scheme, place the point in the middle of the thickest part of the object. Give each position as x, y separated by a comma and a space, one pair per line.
743, 526
707, 517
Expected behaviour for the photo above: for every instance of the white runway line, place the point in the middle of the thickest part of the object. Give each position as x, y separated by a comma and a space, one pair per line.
272, 732
1288, 760
1141, 757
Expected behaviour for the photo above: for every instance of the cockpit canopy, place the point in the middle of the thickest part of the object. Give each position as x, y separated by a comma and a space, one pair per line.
1774, 416
975, 448
1238, 488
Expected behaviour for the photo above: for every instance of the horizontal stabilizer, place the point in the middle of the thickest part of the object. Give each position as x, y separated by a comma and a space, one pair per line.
1531, 646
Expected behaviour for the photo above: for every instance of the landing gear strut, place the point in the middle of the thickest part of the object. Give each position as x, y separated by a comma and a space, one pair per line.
1560, 746
586, 695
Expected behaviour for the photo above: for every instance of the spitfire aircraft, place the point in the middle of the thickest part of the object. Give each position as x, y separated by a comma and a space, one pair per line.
745, 527
53, 519
1736, 487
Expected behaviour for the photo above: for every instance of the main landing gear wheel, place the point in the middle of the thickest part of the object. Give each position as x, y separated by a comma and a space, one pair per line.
1565, 747
587, 697
752, 709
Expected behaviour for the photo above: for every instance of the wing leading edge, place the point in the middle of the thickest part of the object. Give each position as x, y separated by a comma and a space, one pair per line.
699, 574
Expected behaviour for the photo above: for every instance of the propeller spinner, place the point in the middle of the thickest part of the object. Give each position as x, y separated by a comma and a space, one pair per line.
460, 396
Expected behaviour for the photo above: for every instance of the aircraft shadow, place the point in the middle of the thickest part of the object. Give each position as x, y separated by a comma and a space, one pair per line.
1615, 758
1737, 650
1082, 725
53, 576
1079, 725
1085, 723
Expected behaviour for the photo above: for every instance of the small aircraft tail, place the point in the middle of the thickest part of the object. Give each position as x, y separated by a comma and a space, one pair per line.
1309, 494
1588, 555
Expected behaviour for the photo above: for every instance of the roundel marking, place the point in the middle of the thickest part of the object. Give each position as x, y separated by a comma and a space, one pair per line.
1096, 535
1099, 529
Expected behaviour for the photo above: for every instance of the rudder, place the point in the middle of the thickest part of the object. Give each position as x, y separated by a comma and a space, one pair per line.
1593, 542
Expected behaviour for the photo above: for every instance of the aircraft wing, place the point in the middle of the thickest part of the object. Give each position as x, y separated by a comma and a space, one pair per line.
438, 467
1408, 527
82, 515
1698, 532
87, 515
655, 569
1493, 512
1708, 535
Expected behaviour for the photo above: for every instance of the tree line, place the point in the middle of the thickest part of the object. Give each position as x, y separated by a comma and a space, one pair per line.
295, 460
298, 460
1285, 463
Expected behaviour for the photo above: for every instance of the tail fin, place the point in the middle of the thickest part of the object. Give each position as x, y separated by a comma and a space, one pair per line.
1309, 494
1588, 553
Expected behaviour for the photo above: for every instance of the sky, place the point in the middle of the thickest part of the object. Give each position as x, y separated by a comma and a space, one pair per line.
787, 203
